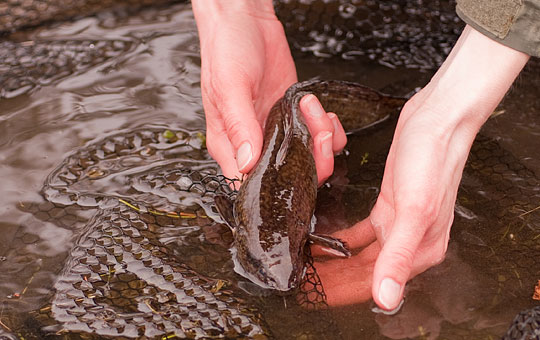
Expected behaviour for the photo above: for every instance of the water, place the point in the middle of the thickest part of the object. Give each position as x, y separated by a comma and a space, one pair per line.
150, 77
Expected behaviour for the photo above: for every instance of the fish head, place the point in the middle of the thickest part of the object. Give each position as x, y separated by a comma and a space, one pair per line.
269, 263
272, 260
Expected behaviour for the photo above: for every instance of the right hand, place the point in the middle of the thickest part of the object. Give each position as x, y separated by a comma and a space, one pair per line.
246, 67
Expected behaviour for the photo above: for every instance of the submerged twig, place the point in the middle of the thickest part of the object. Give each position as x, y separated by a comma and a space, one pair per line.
530, 211
171, 214
5, 326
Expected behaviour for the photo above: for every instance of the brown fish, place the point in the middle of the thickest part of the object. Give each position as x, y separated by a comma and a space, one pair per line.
272, 216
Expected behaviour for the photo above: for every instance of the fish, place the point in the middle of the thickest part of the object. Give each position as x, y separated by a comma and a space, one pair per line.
272, 216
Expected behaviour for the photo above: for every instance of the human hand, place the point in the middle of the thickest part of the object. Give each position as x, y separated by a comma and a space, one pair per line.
414, 211
246, 68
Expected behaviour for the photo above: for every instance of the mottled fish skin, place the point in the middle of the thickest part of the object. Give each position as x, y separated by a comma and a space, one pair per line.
273, 211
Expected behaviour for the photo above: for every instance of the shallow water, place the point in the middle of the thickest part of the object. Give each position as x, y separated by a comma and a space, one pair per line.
150, 78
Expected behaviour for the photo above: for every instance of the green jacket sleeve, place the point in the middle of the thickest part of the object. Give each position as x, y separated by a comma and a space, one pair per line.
514, 23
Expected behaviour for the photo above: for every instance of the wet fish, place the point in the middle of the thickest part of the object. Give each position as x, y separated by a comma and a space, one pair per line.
272, 216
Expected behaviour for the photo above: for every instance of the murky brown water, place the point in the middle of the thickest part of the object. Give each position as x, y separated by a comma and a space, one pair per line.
150, 78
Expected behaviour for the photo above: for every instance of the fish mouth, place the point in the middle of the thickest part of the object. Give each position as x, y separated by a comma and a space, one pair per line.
277, 284
284, 287
270, 285
279, 274
286, 292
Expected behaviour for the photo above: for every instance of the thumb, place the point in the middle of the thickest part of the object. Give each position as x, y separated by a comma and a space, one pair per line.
395, 262
243, 129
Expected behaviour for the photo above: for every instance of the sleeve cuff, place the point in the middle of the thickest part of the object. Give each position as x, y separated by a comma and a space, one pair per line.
517, 26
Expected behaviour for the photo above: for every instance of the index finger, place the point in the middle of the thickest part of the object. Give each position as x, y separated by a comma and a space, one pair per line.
328, 135
318, 120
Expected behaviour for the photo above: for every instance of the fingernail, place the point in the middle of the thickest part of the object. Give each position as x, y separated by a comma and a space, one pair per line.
314, 107
389, 293
334, 119
326, 145
243, 155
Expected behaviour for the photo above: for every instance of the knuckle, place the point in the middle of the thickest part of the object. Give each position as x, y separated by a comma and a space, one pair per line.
403, 257
400, 262
422, 209
239, 130
439, 251
438, 256
383, 212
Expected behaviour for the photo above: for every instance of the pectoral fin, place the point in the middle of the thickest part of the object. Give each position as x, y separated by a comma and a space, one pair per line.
331, 243
225, 207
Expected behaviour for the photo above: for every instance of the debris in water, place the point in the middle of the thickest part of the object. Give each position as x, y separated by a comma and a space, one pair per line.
497, 113
95, 173
217, 286
202, 138
364, 159
171, 214
170, 136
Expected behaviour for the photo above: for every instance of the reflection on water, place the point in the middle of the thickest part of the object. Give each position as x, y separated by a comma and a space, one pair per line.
143, 73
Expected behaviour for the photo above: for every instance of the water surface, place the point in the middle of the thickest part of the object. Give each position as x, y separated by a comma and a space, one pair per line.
150, 77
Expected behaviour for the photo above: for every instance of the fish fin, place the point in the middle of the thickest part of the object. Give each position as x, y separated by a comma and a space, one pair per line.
331, 243
225, 207
284, 148
287, 138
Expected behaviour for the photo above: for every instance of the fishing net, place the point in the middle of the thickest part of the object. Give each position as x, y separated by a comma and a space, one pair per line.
149, 259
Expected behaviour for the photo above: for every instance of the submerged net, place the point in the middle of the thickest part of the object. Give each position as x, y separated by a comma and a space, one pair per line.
151, 260
29, 65
525, 326
154, 188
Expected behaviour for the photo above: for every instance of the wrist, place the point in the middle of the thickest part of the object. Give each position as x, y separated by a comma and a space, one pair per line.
212, 16
474, 78
209, 12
